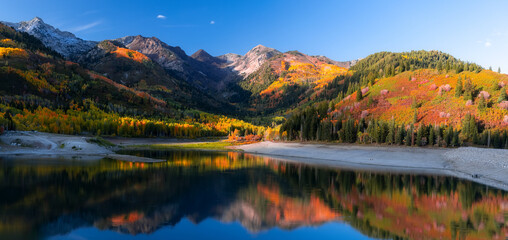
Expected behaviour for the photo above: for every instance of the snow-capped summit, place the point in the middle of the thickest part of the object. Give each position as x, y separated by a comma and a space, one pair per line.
65, 43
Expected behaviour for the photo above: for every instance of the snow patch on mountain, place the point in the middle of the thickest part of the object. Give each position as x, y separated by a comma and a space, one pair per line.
65, 43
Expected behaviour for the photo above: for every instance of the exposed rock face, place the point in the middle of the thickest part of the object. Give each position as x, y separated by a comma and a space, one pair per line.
251, 61
201, 69
65, 43
202, 56
172, 58
230, 57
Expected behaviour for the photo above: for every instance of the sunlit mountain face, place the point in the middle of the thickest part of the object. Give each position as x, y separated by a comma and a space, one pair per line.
244, 195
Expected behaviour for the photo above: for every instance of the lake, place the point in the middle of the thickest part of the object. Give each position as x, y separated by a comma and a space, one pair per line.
232, 195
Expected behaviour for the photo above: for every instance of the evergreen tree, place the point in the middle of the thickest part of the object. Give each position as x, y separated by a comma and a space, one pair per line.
455, 139
458, 88
482, 105
420, 135
431, 135
468, 90
399, 137
349, 131
448, 135
359, 96
469, 128
502, 96
390, 137
499, 70
407, 138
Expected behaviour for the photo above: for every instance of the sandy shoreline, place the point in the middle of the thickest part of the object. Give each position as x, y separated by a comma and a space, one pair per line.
486, 166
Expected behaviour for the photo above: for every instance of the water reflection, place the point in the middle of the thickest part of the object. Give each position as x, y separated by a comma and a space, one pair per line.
262, 194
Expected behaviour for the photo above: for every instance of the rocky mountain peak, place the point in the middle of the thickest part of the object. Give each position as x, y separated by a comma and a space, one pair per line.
201, 53
260, 49
230, 57
253, 59
202, 56
36, 21
65, 43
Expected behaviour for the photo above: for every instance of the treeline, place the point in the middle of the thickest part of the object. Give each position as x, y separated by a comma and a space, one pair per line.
314, 124
89, 119
386, 64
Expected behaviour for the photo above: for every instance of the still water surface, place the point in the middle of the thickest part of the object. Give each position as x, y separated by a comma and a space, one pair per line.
212, 195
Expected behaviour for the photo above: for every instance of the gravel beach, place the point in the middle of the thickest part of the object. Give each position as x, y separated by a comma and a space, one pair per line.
486, 166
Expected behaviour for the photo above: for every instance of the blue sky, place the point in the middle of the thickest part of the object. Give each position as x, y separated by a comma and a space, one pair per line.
475, 31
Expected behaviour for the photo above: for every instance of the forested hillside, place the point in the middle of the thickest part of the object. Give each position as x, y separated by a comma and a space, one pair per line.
416, 98
41, 91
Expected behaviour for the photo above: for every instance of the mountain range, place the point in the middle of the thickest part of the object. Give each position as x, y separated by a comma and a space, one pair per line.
312, 95
158, 64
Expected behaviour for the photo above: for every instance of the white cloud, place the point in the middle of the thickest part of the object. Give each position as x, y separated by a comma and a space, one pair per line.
488, 43
212, 22
161, 16
86, 26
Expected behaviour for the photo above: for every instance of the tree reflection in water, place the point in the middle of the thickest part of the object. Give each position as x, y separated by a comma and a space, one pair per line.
44, 199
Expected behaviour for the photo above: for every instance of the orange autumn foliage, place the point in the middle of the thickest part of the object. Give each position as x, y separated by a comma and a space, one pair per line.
318, 74
7, 42
13, 52
131, 54
402, 97
292, 211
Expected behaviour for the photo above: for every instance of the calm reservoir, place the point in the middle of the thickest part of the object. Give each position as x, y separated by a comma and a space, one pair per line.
231, 195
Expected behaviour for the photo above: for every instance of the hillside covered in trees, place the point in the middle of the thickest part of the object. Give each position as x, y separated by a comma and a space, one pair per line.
416, 98
42, 91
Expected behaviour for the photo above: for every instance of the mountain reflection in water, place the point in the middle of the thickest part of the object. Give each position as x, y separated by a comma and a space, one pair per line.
50, 198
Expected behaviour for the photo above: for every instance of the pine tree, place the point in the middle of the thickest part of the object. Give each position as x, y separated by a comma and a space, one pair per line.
359, 96
390, 137
469, 128
407, 138
499, 70
349, 131
439, 66
399, 137
448, 135
468, 90
482, 105
458, 88
431, 135
502, 96
420, 135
